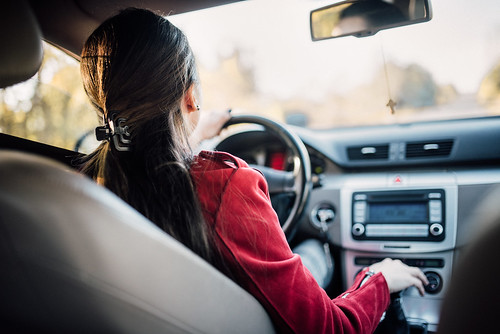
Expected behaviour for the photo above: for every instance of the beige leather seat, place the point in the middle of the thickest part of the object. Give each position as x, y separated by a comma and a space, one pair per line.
472, 302
75, 258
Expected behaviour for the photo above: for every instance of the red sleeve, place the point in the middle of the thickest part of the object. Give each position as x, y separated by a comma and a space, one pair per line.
250, 231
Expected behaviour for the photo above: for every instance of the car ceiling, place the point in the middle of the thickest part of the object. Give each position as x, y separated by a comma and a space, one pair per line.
68, 23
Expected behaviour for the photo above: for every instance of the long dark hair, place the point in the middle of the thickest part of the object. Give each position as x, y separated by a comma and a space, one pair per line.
139, 66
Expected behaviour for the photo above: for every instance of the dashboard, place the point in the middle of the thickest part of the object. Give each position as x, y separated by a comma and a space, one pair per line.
412, 192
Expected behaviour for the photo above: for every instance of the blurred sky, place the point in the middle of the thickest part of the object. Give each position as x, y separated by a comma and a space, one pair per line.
458, 46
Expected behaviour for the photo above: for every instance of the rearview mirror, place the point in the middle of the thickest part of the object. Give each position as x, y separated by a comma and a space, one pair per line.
362, 18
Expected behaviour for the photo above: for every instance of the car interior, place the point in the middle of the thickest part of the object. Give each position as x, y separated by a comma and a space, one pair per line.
77, 258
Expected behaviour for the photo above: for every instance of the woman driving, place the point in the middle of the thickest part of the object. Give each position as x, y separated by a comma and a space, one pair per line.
140, 74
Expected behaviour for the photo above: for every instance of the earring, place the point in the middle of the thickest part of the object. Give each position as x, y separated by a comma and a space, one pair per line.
198, 107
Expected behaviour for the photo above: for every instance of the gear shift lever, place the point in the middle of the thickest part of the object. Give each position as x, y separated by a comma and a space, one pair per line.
395, 320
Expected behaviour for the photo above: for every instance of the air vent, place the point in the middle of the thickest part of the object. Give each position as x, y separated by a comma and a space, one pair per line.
367, 152
435, 148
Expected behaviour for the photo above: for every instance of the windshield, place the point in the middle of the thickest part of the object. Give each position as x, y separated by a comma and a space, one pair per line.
257, 57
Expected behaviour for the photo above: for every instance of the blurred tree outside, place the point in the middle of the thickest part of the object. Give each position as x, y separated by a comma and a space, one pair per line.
489, 91
51, 107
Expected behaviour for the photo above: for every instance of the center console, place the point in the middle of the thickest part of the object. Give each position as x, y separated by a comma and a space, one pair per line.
404, 217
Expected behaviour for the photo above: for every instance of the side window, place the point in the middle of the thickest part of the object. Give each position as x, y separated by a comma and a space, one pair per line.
52, 106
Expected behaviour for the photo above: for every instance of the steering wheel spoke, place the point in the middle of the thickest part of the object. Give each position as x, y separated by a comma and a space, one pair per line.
278, 181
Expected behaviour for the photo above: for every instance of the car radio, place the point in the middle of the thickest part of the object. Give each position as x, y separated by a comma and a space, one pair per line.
403, 215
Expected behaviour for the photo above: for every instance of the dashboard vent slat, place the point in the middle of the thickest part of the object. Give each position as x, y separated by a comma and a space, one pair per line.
431, 148
368, 152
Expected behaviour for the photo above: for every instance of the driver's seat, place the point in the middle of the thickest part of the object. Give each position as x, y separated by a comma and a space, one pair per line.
76, 258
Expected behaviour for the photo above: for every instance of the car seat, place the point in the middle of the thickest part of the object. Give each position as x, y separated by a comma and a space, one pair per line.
471, 303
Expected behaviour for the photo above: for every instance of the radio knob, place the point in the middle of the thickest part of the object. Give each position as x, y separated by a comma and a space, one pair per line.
436, 229
358, 229
435, 282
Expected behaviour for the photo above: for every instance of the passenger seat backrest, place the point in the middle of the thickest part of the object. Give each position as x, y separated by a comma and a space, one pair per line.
75, 258
472, 301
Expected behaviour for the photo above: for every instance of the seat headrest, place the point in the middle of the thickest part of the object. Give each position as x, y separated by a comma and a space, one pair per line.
21, 52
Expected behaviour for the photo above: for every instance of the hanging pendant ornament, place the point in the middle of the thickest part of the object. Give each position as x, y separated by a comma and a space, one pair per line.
391, 104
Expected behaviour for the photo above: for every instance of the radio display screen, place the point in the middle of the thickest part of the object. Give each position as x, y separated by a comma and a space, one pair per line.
400, 212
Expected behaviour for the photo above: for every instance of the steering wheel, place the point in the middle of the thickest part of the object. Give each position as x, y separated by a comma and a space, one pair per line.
296, 183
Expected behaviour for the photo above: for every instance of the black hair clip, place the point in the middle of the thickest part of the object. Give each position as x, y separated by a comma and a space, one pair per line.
103, 132
114, 128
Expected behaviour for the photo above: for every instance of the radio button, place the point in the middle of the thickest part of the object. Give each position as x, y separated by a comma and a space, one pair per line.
359, 212
397, 230
436, 229
435, 211
359, 219
358, 229
435, 217
360, 197
360, 206
435, 204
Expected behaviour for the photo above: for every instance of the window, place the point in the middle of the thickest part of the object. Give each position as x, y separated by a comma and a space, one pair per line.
52, 106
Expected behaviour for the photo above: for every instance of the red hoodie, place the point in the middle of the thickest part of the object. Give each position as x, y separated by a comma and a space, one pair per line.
235, 203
